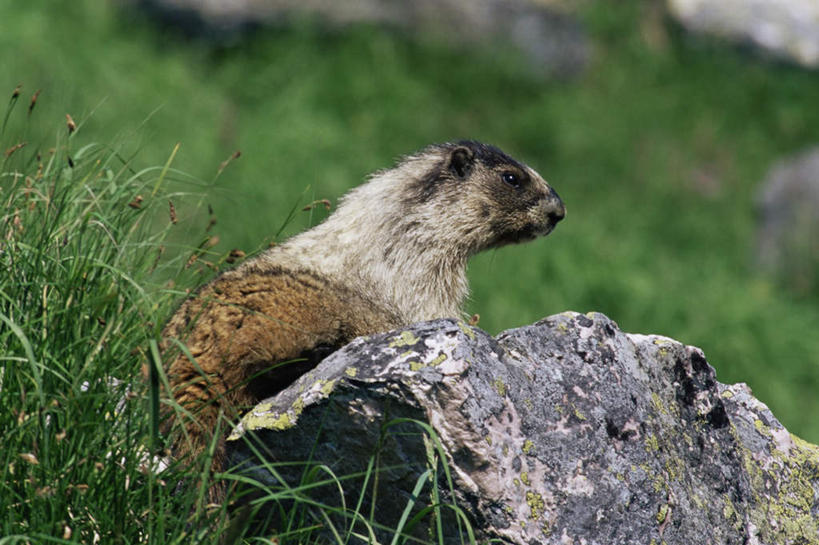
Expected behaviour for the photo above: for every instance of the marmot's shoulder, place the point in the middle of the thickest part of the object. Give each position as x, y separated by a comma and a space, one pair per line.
277, 293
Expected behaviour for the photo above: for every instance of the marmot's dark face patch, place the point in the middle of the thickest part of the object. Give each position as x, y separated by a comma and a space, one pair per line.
527, 207
482, 183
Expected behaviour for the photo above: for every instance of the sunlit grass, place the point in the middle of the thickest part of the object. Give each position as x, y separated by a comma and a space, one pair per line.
93, 266
657, 151
80, 242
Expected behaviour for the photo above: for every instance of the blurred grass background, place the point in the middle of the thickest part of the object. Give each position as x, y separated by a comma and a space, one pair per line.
657, 150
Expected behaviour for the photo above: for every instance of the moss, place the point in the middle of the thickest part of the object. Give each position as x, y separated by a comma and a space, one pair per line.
659, 483
327, 386
664, 346
536, 504
783, 492
579, 415
418, 365
466, 329
264, 407
298, 406
762, 428
406, 338
439, 359
657, 403
674, 467
563, 327
651, 443
282, 422
806, 452
729, 512
545, 529
663, 512
263, 420
499, 386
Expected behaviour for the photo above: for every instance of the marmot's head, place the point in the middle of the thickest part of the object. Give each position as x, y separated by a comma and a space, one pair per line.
405, 236
480, 195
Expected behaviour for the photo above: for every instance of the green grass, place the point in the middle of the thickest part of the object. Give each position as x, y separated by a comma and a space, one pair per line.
657, 150
85, 239
74, 317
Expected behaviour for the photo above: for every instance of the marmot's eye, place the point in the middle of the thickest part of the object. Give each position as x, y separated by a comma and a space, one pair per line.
511, 178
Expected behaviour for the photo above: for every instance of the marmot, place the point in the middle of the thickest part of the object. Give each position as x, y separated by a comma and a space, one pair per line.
393, 253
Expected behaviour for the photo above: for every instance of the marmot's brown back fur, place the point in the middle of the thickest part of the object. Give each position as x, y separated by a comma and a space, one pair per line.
393, 253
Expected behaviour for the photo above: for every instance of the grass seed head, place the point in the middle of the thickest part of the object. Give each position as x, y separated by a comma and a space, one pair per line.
33, 101
30, 458
324, 202
70, 123
234, 255
14, 148
136, 204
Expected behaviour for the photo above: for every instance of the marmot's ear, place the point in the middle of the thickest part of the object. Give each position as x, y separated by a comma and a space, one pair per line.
461, 160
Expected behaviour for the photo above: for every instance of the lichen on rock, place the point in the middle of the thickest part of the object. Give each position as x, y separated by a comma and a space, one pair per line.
567, 430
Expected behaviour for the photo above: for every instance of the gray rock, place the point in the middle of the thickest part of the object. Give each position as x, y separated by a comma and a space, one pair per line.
788, 230
785, 28
551, 39
565, 431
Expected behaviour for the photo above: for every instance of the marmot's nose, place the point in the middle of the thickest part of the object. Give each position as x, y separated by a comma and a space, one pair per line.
557, 210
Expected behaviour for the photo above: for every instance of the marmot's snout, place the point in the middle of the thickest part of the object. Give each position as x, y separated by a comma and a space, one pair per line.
555, 209
550, 211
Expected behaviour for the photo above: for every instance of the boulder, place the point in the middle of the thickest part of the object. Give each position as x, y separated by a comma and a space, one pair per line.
787, 243
550, 38
564, 431
787, 29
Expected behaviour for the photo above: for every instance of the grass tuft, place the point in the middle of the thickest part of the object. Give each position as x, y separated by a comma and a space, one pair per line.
88, 285
82, 238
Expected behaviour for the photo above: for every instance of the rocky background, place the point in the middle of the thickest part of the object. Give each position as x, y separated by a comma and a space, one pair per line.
787, 29
565, 431
544, 29
551, 37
